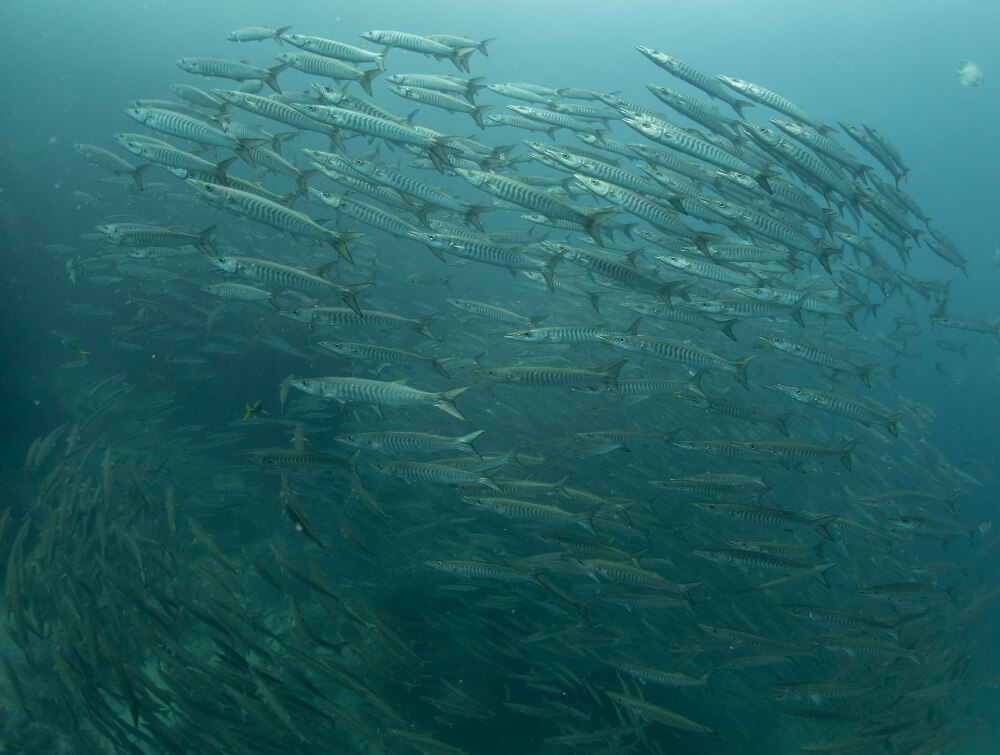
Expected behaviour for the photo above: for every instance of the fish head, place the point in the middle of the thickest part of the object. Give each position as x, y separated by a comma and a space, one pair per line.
299, 315
375, 35
738, 84
328, 198
191, 65
140, 114
286, 57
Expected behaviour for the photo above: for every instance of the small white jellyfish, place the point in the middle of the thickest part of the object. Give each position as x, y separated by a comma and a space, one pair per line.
969, 74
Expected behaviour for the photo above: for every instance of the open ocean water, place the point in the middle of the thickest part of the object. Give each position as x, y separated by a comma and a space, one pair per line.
227, 528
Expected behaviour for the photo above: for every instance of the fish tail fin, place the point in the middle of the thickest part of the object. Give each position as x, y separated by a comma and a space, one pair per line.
366, 80
820, 572
845, 452
890, 423
864, 372
821, 527
446, 402
466, 441
477, 114
738, 106
727, 328
472, 214
593, 224
741, 371
950, 504
595, 300
549, 270
204, 244
272, 76
482, 45
781, 420
694, 384
248, 412
137, 174
437, 364
849, 315
423, 328
797, 311
611, 375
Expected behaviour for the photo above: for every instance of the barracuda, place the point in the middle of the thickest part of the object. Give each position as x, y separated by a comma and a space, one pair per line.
377, 392
441, 100
330, 68
490, 254
436, 145
770, 517
554, 376
841, 406
774, 101
635, 203
695, 78
797, 453
678, 351
366, 213
172, 158
396, 441
288, 277
536, 200
272, 214
344, 317
385, 355
274, 110
331, 48
683, 141
812, 353
232, 69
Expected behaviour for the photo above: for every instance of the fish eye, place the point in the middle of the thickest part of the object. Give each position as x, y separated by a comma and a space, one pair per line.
620, 339
305, 381
758, 290
208, 187
491, 373
798, 391
431, 237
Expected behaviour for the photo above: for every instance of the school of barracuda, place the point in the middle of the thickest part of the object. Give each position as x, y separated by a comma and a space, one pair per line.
654, 491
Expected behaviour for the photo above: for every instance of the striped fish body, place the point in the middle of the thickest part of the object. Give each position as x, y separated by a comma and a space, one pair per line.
797, 453
842, 406
384, 354
695, 78
434, 473
772, 100
513, 508
272, 110
184, 127
330, 68
365, 213
677, 351
232, 69
406, 442
377, 392
344, 317
333, 49
270, 213
536, 200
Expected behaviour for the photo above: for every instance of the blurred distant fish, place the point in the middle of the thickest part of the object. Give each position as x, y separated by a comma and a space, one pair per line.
257, 34
969, 74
